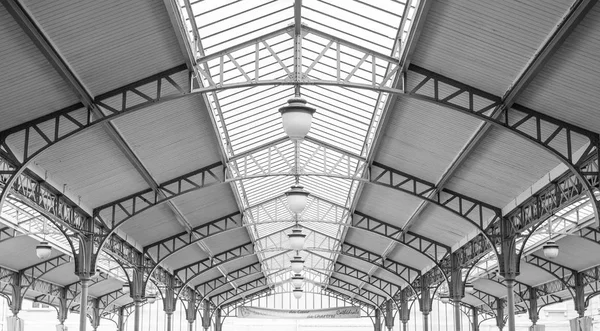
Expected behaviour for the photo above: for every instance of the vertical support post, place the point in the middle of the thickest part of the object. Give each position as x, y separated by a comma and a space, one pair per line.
475, 319
85, 267
169, 305
579, 299
218, 322
425, 304
509, 266
121, 319
456, 288
533, 306
389, 315
137, 293
206, 315
190, 312
404, 312
377, 321
16, 297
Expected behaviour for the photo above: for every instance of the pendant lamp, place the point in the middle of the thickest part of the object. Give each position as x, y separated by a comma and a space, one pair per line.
296, 118
297, 239
297, 280
297, 264
43, 250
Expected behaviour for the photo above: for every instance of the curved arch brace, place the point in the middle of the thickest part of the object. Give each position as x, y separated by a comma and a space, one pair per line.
193, 271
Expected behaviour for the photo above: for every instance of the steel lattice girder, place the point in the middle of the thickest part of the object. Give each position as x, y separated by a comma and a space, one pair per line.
213, 285
220, 298
7, 233
373, 297
386, 287
30, 275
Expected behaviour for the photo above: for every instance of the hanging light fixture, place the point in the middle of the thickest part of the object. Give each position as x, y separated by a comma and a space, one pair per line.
296, 198
550, 249
151, 298
125, 289
444, 298
43, 250
297, 293
296, 118
469, 288
297, 264
297, 280
297, 239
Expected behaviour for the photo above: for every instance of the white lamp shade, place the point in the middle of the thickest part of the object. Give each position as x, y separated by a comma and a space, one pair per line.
444, 298
43, 250
125, 289
297, 264
151, 298
297, 293
469, 288
297, 280
550, 249
297, 239
296, 198
296, 118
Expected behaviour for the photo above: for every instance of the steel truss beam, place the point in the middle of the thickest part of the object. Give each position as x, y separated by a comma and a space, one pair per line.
7, 233
207, 288
191, 271
373, 297
30, 275
386, 287
220, 298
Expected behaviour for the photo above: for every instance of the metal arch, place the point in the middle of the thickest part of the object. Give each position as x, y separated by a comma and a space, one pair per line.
116, 213
214, 284
425, 246
488, 300
362, 293
167, 247
194, 270
38, 270
245, 287
383, 285
326, 292
563, 274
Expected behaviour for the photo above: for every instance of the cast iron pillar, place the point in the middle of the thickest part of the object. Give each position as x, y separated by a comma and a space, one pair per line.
190, 312
169, 301
137, 294
121, 319
579, 295
206, 315
509, 266
389, 315
377, 320
533, 306
218, 321
425, 304
475, 319
85, 267
456, 288
16, 298
404, 312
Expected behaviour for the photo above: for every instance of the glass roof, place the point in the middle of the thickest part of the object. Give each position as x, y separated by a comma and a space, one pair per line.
247, 41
